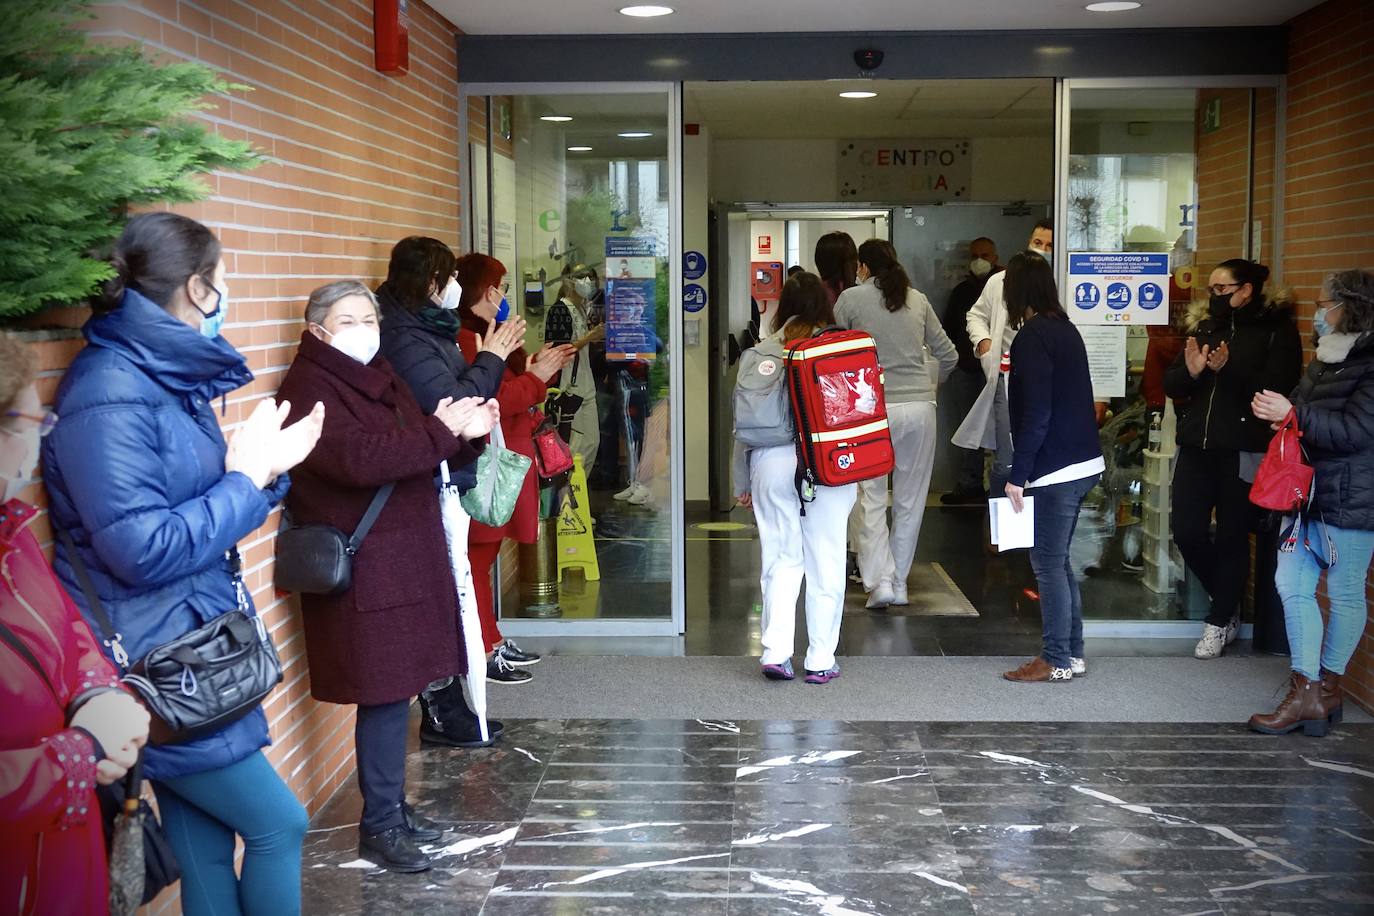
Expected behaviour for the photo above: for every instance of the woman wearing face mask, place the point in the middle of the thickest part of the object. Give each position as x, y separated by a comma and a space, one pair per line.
573, 297
140, 477
419, 309
909, 336
395, 630
1248, 342
68, 724
1335, 411
524, 387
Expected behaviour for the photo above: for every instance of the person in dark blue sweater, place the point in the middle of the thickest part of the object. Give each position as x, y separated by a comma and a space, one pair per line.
1057, 457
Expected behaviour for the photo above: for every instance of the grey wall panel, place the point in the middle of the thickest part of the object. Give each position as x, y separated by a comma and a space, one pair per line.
908, 55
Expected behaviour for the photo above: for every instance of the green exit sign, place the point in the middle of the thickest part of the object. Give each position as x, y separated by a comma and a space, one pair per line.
1211, 115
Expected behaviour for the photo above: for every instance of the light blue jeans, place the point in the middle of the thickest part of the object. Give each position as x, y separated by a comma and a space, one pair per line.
1296, 579
201, 815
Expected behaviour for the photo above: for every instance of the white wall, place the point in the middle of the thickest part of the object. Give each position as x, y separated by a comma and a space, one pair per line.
1004, 169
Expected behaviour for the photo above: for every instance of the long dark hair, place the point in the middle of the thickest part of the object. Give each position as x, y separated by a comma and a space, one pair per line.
803, 302
1030, 289
156, 254
837, 261
881, 260
418, 263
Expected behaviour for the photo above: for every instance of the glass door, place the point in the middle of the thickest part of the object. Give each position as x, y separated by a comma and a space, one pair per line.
575, 189
1158, 182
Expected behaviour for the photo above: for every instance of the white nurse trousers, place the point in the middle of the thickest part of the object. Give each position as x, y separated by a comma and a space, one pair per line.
794, 547
885, 559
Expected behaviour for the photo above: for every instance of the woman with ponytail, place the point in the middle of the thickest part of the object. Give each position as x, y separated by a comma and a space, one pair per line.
909, 337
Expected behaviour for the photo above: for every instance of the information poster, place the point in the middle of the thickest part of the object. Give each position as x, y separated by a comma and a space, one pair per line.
631, 299
1127, 287
1106, 346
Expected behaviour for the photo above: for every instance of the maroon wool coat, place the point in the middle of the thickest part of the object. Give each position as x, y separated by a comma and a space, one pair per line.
397, 628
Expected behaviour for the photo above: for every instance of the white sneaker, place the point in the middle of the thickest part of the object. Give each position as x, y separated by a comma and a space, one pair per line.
1079, 667
880, 597
900, 598
1212, 643
1233, 629
642, 495
626, 493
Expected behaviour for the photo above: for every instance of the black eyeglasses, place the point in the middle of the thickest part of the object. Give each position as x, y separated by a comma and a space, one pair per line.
1217, 289
46, 423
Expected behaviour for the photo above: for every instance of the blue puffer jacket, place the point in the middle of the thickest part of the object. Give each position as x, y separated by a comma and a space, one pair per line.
135, 472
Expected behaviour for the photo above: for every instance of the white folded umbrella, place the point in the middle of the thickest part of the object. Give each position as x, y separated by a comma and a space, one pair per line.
456, 523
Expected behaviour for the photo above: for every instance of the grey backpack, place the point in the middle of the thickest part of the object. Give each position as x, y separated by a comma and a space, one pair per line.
763, 411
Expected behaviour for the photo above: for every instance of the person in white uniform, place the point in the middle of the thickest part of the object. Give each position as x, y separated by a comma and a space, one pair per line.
909, 337
796, 546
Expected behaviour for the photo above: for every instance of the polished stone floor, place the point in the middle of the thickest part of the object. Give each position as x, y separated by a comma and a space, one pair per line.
844, 818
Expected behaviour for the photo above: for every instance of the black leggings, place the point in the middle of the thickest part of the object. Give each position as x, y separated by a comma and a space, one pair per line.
1207, 480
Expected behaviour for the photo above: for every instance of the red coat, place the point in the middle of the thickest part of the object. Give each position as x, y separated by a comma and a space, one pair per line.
519, 392
396, 629
52, 850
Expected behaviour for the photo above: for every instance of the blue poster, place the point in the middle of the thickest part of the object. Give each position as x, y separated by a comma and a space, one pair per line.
693, 297
693, 265
631, 298
1126, 287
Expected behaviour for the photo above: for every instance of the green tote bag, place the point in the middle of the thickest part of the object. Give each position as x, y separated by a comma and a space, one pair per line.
500, 476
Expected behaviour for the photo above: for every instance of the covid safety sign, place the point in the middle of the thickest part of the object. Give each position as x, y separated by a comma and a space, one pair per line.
1121, 288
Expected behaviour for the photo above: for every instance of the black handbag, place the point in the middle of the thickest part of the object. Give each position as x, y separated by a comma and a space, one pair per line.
201, 681
318, 559
160, 867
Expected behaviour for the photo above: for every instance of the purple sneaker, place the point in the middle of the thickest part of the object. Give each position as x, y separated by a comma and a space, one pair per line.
781, 672
822, 677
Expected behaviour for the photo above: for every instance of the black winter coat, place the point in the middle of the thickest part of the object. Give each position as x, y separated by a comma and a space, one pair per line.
1265, 352
1335, 404
431, 364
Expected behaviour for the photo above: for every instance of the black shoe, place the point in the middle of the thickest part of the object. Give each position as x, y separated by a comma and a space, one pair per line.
517, 656
394, 850
500, 671
421, 828
446, 720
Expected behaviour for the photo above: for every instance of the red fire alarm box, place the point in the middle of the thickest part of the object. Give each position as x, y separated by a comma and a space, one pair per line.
391, 28
766, 283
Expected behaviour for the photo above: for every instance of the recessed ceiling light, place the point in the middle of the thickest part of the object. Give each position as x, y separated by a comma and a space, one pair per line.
1115, 6
858, 94
646, 12
579, 149
559, 118
635, 134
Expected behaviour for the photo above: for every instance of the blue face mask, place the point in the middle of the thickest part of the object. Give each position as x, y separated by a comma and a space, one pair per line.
1320, 324
502, 310
211, 324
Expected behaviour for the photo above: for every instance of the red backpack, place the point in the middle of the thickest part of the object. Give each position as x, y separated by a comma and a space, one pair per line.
1284, 480
836, 388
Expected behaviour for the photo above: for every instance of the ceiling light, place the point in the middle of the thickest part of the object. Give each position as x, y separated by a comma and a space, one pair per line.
858, 94
635, 134
559, 118
646, 12
579, 149
1115, 6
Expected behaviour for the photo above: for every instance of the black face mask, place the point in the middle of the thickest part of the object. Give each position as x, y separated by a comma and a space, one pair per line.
1219, 306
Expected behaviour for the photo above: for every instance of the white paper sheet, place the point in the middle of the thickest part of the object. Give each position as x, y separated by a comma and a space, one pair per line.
1012, 530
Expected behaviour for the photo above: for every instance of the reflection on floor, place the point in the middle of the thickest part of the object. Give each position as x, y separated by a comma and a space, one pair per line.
778, 817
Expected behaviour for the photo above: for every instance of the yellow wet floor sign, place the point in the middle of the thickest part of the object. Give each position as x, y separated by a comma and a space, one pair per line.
576, 544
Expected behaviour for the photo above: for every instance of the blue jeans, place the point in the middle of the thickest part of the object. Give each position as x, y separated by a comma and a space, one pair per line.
1061, 604
202, 813
1296, 579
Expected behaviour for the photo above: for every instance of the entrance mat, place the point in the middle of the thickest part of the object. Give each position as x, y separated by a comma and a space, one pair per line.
911, 689
933, 594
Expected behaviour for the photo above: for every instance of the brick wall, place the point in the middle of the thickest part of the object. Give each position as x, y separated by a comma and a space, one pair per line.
357, 160
1329, 182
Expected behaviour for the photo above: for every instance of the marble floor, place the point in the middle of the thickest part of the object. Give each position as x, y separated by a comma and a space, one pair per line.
846, 818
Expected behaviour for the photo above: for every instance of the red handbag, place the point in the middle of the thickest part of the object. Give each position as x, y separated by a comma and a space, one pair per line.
1284, 479
552, 456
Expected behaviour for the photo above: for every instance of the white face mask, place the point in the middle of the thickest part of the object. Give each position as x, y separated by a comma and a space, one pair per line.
361, 342
980, 267
584, 286
452, 293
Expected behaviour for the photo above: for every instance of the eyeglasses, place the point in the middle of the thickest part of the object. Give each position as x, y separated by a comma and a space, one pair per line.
1217, 289
46, 423
1330, 304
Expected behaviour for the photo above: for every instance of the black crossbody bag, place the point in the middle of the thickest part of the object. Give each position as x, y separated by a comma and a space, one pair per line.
200, 682
318, 559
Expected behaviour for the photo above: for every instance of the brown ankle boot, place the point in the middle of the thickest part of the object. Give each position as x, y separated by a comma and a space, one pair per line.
1302, 708
1332, 697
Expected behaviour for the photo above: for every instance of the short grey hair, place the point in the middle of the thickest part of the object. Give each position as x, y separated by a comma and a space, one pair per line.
324, 299
1354, 289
